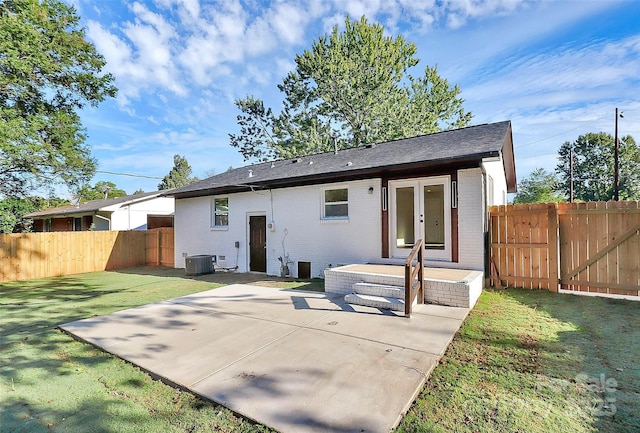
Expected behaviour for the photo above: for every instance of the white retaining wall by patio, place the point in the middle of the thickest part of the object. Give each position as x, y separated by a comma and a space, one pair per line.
341, 280
443, 292
455, 294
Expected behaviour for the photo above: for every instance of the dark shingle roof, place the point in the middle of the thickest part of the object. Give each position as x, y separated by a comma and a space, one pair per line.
448, 147
92, 205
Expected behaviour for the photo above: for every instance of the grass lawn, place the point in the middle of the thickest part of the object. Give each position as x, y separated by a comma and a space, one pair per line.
523, 361
533, 361
52, 383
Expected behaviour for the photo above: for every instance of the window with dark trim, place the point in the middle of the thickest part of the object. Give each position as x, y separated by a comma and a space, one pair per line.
220, 212
336, 203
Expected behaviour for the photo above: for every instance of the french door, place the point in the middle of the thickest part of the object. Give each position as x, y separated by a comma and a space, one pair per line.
421, 209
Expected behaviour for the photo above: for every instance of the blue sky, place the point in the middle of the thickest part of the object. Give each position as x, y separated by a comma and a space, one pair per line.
556, 69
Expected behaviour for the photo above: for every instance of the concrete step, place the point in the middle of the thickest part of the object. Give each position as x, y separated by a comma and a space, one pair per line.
386, 303
385, 291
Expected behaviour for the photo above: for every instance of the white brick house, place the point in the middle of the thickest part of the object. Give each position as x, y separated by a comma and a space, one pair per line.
361, 205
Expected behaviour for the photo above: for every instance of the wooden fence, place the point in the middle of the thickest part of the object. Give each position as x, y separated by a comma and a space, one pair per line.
37, 255
592, 247
160, 247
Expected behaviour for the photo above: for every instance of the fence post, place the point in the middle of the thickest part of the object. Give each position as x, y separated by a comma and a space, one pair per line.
553, 247
160, 246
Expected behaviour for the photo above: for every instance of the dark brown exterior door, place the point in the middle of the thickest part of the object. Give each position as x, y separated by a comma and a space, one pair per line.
258, 243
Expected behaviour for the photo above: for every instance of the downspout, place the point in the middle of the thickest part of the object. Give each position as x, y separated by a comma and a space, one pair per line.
104, 218
485, 208
485, 225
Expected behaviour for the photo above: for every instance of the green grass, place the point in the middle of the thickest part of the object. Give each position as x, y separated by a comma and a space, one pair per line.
52, 383
523, 361
532, 361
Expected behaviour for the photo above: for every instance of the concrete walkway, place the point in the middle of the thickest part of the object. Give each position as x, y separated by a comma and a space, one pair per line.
293, 360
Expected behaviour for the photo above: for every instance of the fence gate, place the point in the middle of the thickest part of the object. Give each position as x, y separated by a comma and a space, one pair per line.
523, 246
591, 247
600, 247
159, 247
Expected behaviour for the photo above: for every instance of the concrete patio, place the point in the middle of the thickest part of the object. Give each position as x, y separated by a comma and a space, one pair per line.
293, 360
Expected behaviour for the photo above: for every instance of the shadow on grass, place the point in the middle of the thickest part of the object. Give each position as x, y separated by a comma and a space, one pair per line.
536, 361
49, 382
50, 290
30, 308
596, 349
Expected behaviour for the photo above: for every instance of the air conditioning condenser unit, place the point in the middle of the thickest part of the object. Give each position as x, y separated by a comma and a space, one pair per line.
199, 265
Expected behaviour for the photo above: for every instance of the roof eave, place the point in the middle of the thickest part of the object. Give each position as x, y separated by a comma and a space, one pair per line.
509, 162
337, 176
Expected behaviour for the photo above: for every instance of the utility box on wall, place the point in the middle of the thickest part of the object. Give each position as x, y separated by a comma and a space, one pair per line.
199, 265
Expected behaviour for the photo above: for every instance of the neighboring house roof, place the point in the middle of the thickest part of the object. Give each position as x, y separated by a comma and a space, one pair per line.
105, 205
443, 149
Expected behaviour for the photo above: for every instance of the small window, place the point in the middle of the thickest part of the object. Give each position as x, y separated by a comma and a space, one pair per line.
220, 214
336, 203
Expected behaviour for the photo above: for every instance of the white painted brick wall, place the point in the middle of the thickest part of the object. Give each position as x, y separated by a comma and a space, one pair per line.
311, 239
470, 220
495, 169
298, 211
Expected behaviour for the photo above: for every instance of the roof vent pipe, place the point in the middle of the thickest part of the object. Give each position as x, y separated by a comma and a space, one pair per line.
335, 145
250, 173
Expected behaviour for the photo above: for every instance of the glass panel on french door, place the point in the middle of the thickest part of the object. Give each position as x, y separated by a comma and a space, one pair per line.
434, 217
405, 229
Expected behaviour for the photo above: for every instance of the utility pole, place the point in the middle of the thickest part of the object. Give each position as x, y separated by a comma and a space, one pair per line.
616, 163
571, 174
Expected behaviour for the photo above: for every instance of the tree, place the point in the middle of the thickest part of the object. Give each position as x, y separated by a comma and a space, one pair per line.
180, 174
350, 89
593, 167
100, 190
540, 186
48, 72
138, 191
13, 209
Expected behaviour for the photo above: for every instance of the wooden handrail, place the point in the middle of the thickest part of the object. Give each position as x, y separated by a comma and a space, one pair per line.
410, 273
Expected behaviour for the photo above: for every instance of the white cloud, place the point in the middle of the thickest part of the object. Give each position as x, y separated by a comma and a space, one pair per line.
571, 75
215, 39
358, 8
142, 57
260, 37
289, 23
457, 12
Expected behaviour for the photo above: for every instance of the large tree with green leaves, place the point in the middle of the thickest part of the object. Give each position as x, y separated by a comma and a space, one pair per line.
352, 88
101, 190
48, 72
540, 186
593, 167
12, 210
180, 174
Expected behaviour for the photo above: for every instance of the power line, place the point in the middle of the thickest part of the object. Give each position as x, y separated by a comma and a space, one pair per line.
555, 135
128, 174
